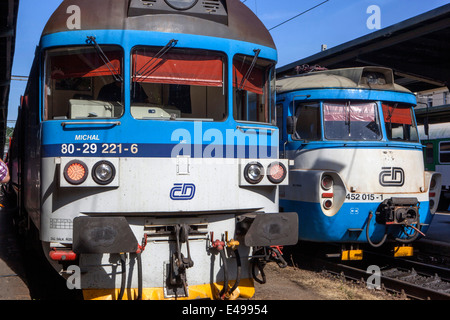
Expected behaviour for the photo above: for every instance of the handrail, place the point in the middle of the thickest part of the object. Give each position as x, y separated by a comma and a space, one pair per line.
255, 128
116, 123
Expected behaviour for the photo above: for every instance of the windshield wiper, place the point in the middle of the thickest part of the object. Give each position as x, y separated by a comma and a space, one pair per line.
349, 119
390, 113
249, 71
145, 68
105, 59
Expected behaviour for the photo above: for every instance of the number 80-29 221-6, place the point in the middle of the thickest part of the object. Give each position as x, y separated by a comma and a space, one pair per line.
93, 148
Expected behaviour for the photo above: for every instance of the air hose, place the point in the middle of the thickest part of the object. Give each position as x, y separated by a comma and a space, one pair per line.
139, 266
238, 270
220, 246
260, 265
375, 245
124, 275
412, 238
141, 248
225, 274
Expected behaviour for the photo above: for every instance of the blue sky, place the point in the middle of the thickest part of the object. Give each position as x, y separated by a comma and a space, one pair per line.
333, 23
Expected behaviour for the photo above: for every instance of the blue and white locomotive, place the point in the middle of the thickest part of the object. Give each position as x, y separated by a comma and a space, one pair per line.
146, 153
359, 173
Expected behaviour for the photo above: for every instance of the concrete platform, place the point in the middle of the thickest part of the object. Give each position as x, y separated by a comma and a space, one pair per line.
12, 274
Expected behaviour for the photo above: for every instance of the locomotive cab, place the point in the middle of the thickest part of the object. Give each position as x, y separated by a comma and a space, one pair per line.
359, 175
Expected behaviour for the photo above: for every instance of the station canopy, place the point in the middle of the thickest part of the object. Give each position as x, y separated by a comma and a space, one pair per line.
417, 49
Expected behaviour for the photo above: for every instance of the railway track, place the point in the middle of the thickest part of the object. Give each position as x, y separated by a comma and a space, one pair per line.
411, 283
413, 279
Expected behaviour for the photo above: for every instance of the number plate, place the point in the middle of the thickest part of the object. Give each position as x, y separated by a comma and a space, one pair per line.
370, 197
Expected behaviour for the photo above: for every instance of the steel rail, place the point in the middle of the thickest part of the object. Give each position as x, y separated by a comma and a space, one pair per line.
390, 284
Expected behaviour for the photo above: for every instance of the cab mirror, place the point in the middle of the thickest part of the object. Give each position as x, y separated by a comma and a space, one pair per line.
290, 124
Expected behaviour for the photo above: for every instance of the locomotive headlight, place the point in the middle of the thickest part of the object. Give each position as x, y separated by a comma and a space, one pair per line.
276, 172
181, 4
431, 204
432, 183
76, 172
327, 182
327, 204
254, 172
103, 172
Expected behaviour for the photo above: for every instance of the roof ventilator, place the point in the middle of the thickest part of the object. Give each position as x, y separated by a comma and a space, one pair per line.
213, 10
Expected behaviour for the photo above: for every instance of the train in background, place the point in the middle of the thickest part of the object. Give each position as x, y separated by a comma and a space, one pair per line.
145, 154
359, 175
436, 141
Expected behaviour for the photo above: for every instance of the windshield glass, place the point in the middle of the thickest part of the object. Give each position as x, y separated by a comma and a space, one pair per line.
400, 124
79, 84
254, 89
178, 84
351, 121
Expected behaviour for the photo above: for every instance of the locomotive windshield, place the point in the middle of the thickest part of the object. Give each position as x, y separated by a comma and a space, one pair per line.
254, 89
81, 84
400, 124
180, 83
351, 121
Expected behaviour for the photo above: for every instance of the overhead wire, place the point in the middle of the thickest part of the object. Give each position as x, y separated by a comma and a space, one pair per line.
298, 15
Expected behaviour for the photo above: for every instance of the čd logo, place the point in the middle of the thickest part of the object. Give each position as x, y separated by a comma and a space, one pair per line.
392, 177
182, 191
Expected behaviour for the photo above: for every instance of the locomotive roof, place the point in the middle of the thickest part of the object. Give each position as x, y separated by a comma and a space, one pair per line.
228, 19
355, 78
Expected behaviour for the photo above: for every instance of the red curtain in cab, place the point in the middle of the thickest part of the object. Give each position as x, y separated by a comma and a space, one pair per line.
254, 82
397, 114
177, 68
84, 65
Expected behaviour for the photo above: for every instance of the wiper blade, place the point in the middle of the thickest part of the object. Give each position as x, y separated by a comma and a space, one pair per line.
105, 59
145, 70
249, 71
349, 119
391, 113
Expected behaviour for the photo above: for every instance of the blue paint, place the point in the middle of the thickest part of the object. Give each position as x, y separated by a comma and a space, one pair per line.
315, 226
160, 139
347, 94
314, 145
157, 138
333, 94
158, 150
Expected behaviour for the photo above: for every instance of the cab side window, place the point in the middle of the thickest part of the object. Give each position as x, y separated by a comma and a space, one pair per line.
308, 121
444, 152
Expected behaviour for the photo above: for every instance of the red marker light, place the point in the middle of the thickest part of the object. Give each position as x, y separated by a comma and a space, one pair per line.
327, 195
75, 172
276, 172
62, 255
327, 182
